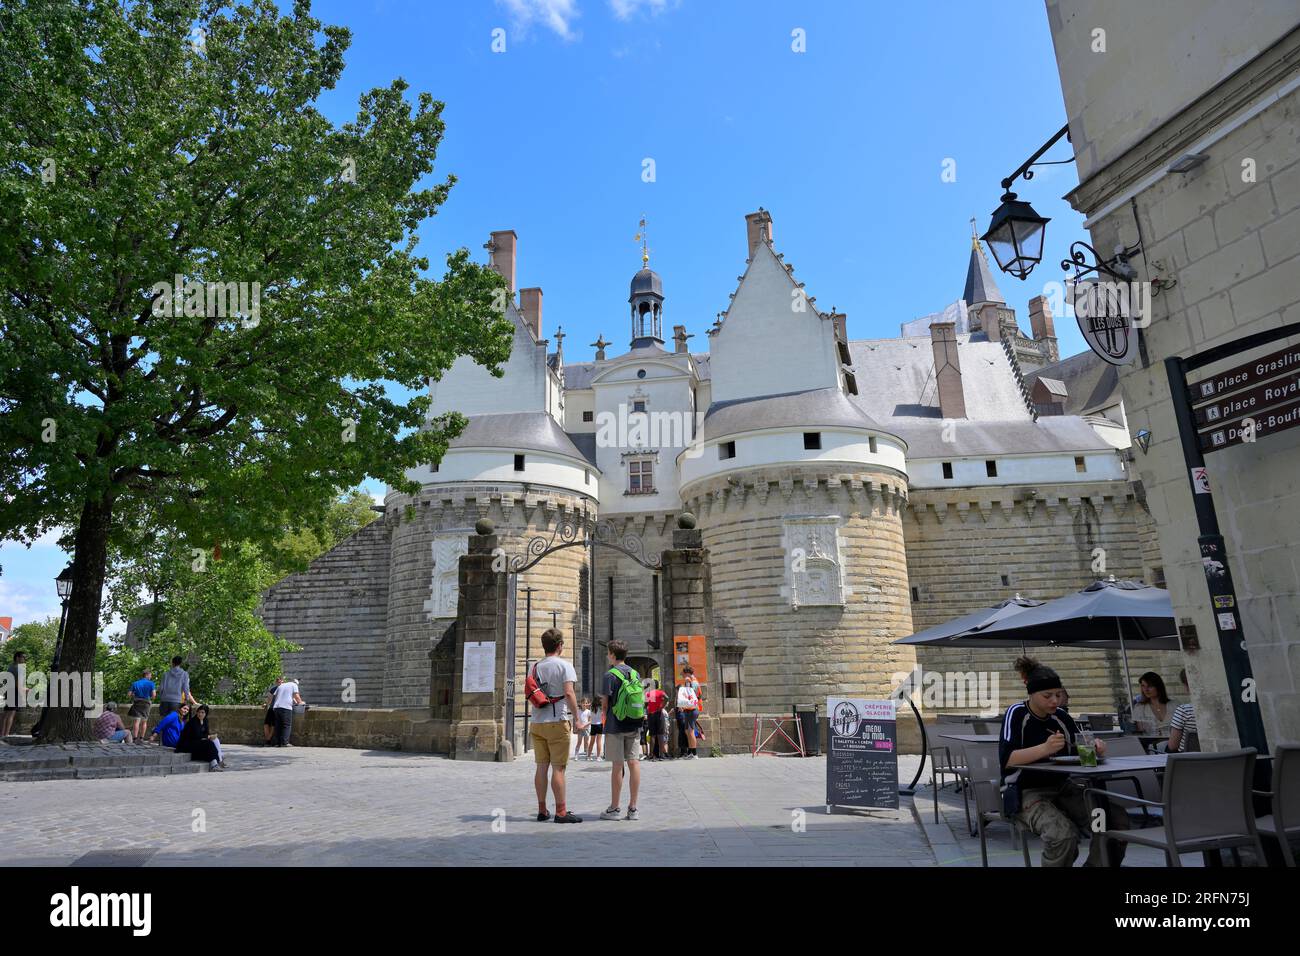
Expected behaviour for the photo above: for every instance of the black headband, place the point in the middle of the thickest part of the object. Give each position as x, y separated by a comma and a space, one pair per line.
1042, 678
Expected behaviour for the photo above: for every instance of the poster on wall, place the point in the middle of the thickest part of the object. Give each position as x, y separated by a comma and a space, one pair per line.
690, 649
862, 756
480, 670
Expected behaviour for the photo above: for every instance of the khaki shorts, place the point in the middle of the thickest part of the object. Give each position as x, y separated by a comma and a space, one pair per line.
551, 742
622, 747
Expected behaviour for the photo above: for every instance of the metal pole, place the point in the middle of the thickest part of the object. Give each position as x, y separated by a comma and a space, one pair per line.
1232, 642
528, 655
1128, 678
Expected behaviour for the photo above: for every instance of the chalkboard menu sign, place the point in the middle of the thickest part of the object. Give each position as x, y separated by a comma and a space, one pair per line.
862, 756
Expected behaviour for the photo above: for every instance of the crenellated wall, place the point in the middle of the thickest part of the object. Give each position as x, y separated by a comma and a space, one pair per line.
1047, 541
751, 524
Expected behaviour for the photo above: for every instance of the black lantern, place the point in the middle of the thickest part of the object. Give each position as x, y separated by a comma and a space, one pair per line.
1015, 236
63, 583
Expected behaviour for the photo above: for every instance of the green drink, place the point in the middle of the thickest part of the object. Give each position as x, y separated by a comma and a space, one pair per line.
1087, 755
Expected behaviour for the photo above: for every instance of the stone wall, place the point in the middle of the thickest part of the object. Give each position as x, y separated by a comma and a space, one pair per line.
443, 513
963, 542
335, 611
1228, 233
805, 655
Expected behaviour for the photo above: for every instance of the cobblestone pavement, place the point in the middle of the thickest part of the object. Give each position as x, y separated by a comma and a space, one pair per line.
318, 806
331, 807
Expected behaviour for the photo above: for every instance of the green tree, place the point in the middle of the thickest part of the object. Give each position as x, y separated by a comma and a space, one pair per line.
36, 639
153, 156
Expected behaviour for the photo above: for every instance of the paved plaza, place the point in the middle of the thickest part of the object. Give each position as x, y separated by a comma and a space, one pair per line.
335, 807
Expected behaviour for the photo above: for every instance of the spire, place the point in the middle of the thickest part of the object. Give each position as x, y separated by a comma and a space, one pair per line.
980, 286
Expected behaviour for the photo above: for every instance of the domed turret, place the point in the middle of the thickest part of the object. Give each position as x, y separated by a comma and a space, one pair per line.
647, 300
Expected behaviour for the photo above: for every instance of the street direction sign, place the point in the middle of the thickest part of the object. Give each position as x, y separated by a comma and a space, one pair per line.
1251, 402
1247, 374
1261, 425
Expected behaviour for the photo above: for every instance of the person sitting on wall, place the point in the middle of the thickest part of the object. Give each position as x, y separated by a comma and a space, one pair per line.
1049, 805
109, 727
168, 731
197, 741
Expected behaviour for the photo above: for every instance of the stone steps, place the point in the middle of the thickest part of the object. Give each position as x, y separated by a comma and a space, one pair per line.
92, 761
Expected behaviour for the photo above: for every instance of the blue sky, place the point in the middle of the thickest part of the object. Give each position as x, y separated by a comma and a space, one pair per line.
844, 144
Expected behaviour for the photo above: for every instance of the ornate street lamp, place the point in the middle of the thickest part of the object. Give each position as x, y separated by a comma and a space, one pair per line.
63, 586
1015, 233
1015, 236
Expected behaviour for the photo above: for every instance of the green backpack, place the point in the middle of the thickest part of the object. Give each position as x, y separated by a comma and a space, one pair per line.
630, 702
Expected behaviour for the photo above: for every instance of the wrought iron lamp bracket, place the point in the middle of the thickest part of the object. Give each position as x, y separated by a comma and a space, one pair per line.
1116, 268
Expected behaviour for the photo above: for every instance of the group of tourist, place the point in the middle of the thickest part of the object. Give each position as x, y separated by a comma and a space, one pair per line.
1041, 727
625, 724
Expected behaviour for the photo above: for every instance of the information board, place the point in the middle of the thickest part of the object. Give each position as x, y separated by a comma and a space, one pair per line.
480, 670
862, 755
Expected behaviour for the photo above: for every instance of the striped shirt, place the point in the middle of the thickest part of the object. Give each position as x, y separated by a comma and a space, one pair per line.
1184, 719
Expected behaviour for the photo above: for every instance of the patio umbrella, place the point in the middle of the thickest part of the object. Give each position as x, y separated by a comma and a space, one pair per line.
942, 633
1107, 614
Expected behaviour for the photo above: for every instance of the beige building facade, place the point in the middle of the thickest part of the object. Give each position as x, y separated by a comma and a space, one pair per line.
1185, 129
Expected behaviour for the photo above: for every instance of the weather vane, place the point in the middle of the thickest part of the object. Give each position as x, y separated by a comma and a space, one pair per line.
645, 250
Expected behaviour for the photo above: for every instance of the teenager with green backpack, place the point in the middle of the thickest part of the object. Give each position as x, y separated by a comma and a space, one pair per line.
624, 701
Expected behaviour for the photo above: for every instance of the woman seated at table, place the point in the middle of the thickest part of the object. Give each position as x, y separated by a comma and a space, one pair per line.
1183, 736
1154, 711
1051, 806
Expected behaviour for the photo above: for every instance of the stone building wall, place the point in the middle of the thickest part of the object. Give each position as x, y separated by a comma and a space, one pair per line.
336, 612
448, 513
807, 654
1227, 231
962, 542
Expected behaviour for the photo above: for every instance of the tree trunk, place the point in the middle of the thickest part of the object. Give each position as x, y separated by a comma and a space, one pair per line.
81, 632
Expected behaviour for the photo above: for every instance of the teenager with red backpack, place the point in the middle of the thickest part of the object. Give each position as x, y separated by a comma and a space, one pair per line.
624, 705
549, 689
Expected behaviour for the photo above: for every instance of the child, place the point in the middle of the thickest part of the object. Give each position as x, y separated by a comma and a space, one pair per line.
596, 741
582, 729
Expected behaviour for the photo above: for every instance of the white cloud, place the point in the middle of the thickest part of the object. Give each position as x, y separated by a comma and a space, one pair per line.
627, 9
25, 603
556, 15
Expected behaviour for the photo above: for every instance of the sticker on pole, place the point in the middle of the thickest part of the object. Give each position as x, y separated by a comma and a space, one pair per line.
1227, 622
1201, 481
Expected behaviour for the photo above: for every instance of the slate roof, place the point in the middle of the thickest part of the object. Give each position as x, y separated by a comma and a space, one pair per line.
817, 408
980, 286
974, 439
896, 379
522, 431
1090, 382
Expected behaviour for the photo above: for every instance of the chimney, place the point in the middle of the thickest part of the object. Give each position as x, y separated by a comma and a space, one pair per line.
758, 226
1040, 318
990, 321
501, 255
530, 304
679, 338
947, 369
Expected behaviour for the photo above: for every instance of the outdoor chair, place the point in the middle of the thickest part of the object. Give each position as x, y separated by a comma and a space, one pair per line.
984, 779
943, 763
985, 727
1283, 824
1099, 721
1141, 783
1206, 807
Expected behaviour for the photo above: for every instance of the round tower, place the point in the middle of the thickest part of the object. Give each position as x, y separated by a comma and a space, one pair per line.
799, 498
524, 473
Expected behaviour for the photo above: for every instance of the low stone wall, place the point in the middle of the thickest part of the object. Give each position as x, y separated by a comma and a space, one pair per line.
353, 727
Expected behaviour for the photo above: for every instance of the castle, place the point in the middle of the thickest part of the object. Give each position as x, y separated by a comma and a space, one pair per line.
848, 492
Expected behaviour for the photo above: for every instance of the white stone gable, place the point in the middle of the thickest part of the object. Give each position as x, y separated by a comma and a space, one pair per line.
772, 340
469, 388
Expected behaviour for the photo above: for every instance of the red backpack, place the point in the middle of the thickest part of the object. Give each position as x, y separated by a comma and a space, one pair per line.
533, 691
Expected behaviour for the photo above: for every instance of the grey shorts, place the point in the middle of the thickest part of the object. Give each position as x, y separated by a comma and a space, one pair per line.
139, 709
622, 746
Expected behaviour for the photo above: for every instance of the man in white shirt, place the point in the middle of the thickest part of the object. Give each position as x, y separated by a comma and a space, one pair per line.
286, 696
551, 725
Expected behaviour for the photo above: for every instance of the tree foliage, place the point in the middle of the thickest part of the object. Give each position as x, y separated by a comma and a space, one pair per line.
149, 141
